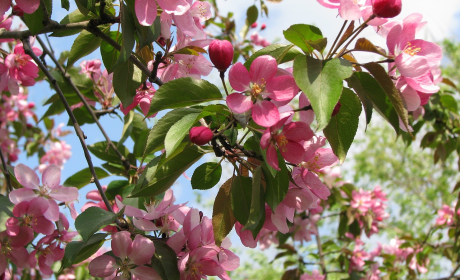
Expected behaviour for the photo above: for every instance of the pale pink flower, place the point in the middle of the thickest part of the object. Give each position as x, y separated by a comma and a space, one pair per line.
58, 153
257, 84
146, 10
189, 22
445, 216
348, 9
143, 97
130, 253
258, 40
51, 188
28, 6
361, 200
358, 258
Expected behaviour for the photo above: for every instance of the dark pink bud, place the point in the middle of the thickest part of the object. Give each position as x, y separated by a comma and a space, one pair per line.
336, 109
263, 26
386, 8
17, 11
161, 41
254, 25
31, 105
200, 135
221, 54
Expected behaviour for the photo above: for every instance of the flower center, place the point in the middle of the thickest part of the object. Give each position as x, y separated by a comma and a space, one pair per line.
257, 89
411, 50
20, 60
282, 142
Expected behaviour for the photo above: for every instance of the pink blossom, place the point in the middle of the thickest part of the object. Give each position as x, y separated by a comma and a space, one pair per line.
8, 146
287, 141
12, 248
445, 216
18, 69
30, 214
258, 40
146, 10
358, 258
28, 6
131, 253
92, 69
50, 189
58, 153
348, 10
313, 276
189, 22
143, 97
257, 84
361, 200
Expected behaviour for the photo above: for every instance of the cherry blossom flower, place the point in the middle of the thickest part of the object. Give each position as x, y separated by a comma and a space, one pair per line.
146, 10
58, 153
361, 200
348, 10
131, 254
30, 214
12, 248
445, 216
189, 22
92, 69
143, 97
50, 189
257, 84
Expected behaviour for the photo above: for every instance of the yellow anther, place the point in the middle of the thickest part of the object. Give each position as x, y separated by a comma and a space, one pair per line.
411, 50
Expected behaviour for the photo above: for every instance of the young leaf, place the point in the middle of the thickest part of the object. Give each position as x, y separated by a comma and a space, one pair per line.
252, 14
206, 176
92, 220
277, 187
281, 52
322, 82
183, 92
161, 173
365, 85
164, 261
156, 138
223, 219
341, 130
83, 177
241, 198
304, 36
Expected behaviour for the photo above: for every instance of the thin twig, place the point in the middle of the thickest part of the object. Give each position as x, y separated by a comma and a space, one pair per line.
222, 78
6, 173
337, 38
79, 132
124, 161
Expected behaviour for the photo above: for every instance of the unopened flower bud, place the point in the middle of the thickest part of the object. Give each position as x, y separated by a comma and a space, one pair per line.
386, 8
254, 25
336, 109
200, 135
17, 11
263, 26
221, 54
31, 105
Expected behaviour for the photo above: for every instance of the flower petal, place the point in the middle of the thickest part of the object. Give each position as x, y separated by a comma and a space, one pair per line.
146, 11
265, 113
145, 273
122, 244
26, 176
52, 176
102, 266
263, 68
238, 77
282, 88
239, 103
143, 250
316, 186
24, 194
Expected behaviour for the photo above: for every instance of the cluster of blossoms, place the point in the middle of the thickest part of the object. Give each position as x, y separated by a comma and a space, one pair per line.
369, 206
57, 154
190, 236
446, 216
36, 212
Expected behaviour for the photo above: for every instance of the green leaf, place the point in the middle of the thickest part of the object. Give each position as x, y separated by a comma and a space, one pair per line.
164, 261
83, 45
223, 219
84, 177
178, 131
92, 220
281, 52
65, 4
253, 144
159, 175
365, 85
341, 130
103, 151
252, 14
277, 187
381, 76
148, 34
127, 27
108, 53
322, 82
127, 127
127, 78
139, 126
6, 211
257, 211
115, 187
34, 21
307, 37
75, 16
85, 6
78, 251
140, 142
449, 102
156, 138
183, 92
241, 198
206, 176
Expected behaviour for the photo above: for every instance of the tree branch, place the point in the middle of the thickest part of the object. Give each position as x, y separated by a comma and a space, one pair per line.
28, 50
6, 173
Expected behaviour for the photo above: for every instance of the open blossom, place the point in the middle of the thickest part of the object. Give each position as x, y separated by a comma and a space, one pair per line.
12, 248
92, 69
361, 200
131, 254
257, 84
146, 10
57, 154
143, 98
30, 214
445, 216
18, 69
50, 188
348, 9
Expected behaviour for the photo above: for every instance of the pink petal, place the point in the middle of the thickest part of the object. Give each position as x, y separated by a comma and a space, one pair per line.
19, 195
66, 194
43, 226
38, 206
423, 83
265, 139
411, 65
12, 226
122, 244
272, 157
239, 103
146, 11
279, 219
102, 266
192, 220
298, 131
265, 113
4, 6
145, 273
316, 186
231, 262
238, 77
26, 177
25, 236
28, 6
22, 208
349, 10
143, 250
52, 176
176, 7
331, 4
305, 116
411, 98
19, 256
52, 213
292, 152
186, 23
129, 210
431, 51
94, 195
325, 157
263, 68
144, 225
282, 88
